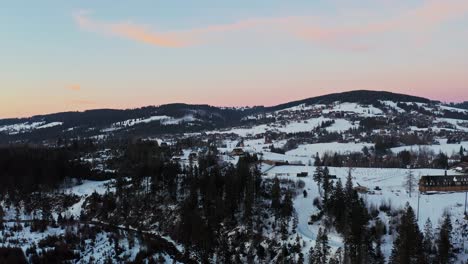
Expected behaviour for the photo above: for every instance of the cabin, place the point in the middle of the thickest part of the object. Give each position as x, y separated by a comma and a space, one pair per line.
452, 183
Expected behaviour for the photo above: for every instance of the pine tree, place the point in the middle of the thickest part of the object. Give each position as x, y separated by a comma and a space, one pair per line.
287, 207
317, 161
337, 257
379, 256
318, 176
311, 256
321, 250
349, 189
356, 236
428, 241
444, 242
276, 194
2, 215
316, 256
338, 206
407, 247
323, 240
326, 186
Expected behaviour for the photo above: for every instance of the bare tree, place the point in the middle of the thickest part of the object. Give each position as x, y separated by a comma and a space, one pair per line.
410, 182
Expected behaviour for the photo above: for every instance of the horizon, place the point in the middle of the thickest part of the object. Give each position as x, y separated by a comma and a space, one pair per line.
219, 106
76, 56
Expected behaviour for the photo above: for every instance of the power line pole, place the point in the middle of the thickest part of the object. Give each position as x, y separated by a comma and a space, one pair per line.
419, 195
466, 197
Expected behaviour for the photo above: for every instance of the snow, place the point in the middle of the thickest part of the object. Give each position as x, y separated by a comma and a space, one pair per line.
53, 124
301, 107
453, 109
455, 122
290, 127
27, 127
393, 105
83, 191
310, 150
391, 183
163, 119
132, 122
448, 149
177, 121
365, 111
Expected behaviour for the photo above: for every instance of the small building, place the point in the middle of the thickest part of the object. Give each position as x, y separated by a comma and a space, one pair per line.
193, 156
361, 189
453, 183
237, 152
461, 167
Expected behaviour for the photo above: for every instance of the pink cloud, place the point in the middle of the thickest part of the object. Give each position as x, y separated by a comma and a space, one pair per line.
74, 87
128, 30
420, 20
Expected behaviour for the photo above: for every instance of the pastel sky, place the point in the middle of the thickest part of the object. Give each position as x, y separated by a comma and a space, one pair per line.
73, 55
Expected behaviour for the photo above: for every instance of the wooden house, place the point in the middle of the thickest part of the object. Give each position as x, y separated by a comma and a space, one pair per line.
452, 183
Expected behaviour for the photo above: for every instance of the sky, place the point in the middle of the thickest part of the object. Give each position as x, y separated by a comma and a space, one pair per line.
74, 55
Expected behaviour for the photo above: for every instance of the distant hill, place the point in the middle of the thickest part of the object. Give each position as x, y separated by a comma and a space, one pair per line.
164, 119
358, 96
463, 105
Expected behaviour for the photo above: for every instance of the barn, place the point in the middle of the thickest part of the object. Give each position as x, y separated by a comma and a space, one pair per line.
453, 183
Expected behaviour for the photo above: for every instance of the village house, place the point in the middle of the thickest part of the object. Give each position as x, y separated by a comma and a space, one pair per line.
451, 183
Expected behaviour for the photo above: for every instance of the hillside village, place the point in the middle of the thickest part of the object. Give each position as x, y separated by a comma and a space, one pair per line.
328, 182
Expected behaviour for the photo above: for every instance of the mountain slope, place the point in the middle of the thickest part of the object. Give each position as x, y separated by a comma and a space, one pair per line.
186, 118
358, 96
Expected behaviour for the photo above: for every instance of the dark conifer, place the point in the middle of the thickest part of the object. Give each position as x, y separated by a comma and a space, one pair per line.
407, 247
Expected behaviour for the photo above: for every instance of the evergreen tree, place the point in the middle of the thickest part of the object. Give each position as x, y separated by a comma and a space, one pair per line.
428, 241
407, 247
276, 194
317, 161
349, 189
326, 186
337, 257
318, 177
357, 238
444, 242
2, 215
321, 250
311, 256
462, 153
338, 206
379, 256
323, 240
287, 207
441, 161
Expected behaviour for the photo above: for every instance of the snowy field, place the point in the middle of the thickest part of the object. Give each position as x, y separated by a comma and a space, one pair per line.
448, 149
310, 150
291, 127
365, 111
26, 127
390, 181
